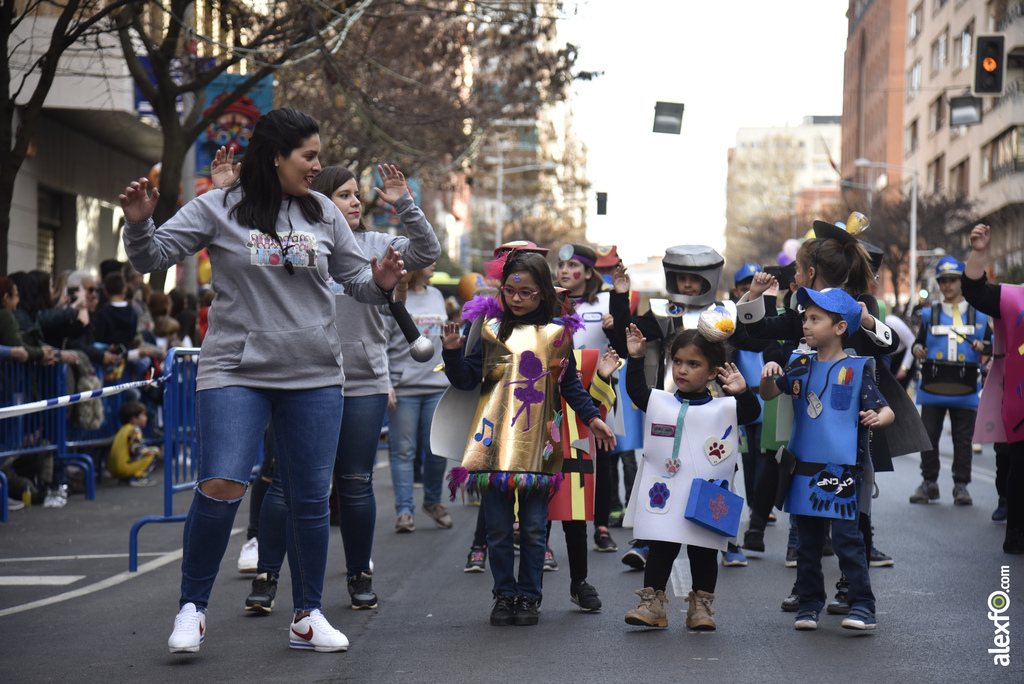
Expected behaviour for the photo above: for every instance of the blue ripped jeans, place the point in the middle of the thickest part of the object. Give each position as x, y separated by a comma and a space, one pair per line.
230, 422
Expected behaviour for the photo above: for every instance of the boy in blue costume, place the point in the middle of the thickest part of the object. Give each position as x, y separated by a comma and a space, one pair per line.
950, 344
835, 400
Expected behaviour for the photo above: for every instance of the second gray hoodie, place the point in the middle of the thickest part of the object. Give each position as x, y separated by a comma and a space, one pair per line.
362, 328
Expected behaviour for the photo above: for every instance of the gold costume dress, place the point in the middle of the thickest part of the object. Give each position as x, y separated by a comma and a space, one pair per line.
515, 441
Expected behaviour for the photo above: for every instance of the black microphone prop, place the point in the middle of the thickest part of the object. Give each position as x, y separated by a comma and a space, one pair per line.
422, 348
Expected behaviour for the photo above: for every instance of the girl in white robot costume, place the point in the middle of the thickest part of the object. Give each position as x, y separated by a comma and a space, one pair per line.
688, 434
692, 274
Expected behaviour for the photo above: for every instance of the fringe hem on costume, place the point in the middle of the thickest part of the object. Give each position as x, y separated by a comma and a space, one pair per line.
479, 482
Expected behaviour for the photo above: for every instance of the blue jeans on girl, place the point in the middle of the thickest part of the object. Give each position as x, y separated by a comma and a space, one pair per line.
499, 512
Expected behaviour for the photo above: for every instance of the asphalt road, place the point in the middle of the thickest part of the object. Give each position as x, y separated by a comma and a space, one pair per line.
70, 611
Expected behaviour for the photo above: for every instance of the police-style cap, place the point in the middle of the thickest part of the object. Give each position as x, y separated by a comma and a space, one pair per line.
949, 266
746, 271
834, 300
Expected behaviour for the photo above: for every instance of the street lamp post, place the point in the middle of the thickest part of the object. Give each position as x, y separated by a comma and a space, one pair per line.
913, 216
500, 195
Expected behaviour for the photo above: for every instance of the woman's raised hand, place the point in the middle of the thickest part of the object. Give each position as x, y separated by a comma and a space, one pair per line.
388, 272
137, 203
224, 168
394, 183
761, 283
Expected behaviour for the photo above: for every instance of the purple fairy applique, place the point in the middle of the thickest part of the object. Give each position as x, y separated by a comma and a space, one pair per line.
532, 369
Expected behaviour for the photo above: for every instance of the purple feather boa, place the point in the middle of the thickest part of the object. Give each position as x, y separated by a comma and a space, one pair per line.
488, 307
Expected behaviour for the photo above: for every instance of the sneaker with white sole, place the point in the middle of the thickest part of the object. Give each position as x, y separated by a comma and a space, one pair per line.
316, 633
189, 630
249, 557
807, 620
859, 618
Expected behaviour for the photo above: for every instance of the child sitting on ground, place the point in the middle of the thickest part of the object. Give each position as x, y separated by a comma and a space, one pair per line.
130, 458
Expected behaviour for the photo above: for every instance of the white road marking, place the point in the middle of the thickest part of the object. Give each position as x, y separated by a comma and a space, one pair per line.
95, 556
38, 580
113, 581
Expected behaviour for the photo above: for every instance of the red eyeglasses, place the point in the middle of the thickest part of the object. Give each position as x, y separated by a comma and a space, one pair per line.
523, 293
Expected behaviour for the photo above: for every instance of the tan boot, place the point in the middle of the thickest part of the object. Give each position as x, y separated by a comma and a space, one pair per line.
651, 611
698, 615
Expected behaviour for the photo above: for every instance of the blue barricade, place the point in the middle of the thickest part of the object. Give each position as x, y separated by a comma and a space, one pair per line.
41, 432
181, 459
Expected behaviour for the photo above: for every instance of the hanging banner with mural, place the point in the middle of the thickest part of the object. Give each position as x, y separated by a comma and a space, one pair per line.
233, 127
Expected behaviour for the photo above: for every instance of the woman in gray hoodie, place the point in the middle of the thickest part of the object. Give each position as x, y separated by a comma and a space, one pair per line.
271, 353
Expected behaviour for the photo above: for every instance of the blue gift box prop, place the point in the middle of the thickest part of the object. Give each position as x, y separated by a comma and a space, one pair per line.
712, 506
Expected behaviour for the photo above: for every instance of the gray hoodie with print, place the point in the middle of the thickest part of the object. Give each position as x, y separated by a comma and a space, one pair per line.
268, 328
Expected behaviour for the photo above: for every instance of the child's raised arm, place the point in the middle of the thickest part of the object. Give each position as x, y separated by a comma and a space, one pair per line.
636, 343
769, 390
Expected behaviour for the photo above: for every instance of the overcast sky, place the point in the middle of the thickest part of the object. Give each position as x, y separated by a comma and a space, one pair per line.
732, 64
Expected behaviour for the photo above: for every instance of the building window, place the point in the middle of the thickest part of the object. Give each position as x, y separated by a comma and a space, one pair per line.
963, 44
1003, 156
958, 178
914, 80
936, 114
915, 23
939, 52
938, 5
910, 139
935, 171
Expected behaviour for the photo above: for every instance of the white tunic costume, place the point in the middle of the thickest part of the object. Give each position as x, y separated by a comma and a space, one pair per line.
708, 449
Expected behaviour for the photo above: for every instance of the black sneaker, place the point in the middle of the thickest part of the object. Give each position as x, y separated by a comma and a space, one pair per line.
585, 596
264, 589
792, 602
503, 610
603, 541
753, 540
527, 611
839, 606
615, 517
877, 559
791, 557
636, 557
360, 588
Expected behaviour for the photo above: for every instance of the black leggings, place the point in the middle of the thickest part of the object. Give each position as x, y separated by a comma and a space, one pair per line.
703, 565
575, 547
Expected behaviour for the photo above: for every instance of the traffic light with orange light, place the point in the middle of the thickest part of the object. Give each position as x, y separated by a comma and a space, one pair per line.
990, 65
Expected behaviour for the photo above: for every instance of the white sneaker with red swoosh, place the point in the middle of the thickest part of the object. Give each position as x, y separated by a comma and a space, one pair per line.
315, 632
189, 630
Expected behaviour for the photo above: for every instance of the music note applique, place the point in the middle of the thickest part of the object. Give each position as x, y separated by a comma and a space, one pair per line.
487, 427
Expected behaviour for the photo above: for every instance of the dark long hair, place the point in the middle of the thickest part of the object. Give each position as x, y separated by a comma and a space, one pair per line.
330, 179
715, 351
280, 131
847, 267
537, 266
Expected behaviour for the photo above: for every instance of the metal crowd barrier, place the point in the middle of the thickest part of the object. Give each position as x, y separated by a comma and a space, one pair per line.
181, 459
38, 432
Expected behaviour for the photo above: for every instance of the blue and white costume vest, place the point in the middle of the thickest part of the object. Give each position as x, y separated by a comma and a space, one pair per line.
826, 446
702, 443
751, 364
949, 342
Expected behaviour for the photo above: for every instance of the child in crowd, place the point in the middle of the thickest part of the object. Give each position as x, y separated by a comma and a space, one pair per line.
130, 458
676, 452
519, 352
835, 401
